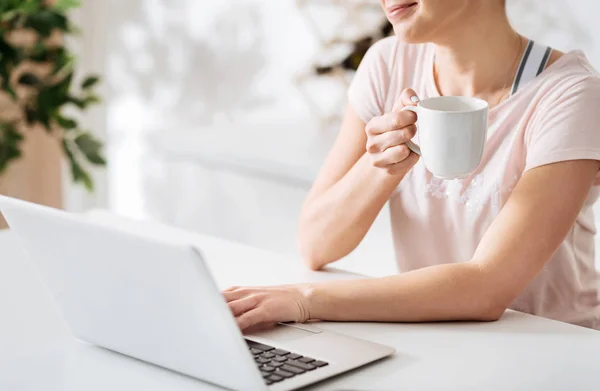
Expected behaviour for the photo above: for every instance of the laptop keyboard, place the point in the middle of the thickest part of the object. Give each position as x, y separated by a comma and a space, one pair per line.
277, 365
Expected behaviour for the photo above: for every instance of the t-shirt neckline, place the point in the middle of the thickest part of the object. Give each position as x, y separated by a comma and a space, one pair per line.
433, 91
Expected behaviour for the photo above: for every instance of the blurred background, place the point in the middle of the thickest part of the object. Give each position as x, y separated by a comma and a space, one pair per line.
216, 115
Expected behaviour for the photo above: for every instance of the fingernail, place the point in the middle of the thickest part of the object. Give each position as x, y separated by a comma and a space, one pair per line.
415, 99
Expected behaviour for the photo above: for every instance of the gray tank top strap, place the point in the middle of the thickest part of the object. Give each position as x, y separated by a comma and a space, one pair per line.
534, 61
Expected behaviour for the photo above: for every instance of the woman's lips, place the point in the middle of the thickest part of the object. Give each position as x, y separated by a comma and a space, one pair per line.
401, 10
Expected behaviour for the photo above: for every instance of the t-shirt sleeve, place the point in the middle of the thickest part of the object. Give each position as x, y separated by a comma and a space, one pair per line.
569, 129
368, 90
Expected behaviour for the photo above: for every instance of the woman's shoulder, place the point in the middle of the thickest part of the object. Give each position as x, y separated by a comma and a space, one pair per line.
572, 72
387, 67
578, 62
565, 103
392, 53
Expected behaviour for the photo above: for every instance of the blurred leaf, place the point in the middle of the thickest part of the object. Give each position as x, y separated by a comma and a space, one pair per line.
87, 143
74, 30
90, 81
67, 150
76, 101
64, 5
90, 100
66, 123
85, 102
39, 52
65, 84
4, 72
9, 53
10, 133
61, 59
15, 8
97, 160
7, 155
11, 153
10, 140
29, 79
81, 176
91, 148
44, 119
45, 21
61, 22
6, 16
77, 172
54, 96
30, 116
7, 5
53, 91
41, 23
30, 6
9, 90
46, 102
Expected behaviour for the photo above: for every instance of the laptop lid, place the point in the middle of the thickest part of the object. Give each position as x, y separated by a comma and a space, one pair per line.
151, 300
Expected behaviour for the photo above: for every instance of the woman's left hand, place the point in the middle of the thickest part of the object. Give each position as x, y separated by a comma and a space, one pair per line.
257, 306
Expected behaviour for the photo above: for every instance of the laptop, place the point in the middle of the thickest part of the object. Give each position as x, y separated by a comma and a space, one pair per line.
157, 302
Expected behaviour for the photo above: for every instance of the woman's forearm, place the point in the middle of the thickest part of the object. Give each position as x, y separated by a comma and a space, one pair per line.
437, 293
333, 223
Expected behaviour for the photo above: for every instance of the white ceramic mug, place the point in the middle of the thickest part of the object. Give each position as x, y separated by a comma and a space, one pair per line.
452, 132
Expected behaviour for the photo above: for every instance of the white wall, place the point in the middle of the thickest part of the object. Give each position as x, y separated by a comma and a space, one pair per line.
197, 66
186, 64
563, 25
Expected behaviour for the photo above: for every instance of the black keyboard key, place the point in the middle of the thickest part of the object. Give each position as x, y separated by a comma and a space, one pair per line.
293, 369
267, 368
301, 365
284, 374
259, 346
276, 365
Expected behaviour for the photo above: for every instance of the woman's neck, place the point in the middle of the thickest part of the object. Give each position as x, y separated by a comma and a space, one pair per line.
478, 58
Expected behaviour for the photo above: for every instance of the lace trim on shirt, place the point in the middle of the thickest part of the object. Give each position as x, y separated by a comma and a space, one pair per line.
473, 194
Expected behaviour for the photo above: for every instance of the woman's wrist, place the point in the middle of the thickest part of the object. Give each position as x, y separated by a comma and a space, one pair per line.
320, 299
338, 300
310, 293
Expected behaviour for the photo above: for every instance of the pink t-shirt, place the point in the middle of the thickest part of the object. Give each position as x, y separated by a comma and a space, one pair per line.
555, 117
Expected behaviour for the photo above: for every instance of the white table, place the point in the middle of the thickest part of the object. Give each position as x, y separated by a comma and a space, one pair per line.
519, 352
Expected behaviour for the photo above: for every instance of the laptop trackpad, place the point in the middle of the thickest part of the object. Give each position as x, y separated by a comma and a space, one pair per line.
285, 333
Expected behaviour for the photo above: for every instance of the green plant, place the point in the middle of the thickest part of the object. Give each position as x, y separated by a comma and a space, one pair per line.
42, 97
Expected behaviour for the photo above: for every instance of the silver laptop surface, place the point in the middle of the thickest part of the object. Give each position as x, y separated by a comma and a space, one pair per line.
156, 301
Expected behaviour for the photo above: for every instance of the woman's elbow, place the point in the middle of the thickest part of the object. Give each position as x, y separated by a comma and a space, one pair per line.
314, 264
491, 314
311, 248
486, 299
313, 256
316, 251
492, 309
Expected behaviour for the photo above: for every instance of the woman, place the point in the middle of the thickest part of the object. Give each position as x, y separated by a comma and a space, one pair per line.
518, 233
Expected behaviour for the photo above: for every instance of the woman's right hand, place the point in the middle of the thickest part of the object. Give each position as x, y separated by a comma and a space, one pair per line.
387, 136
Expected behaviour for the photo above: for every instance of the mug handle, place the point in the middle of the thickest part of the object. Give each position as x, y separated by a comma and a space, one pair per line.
410, 144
